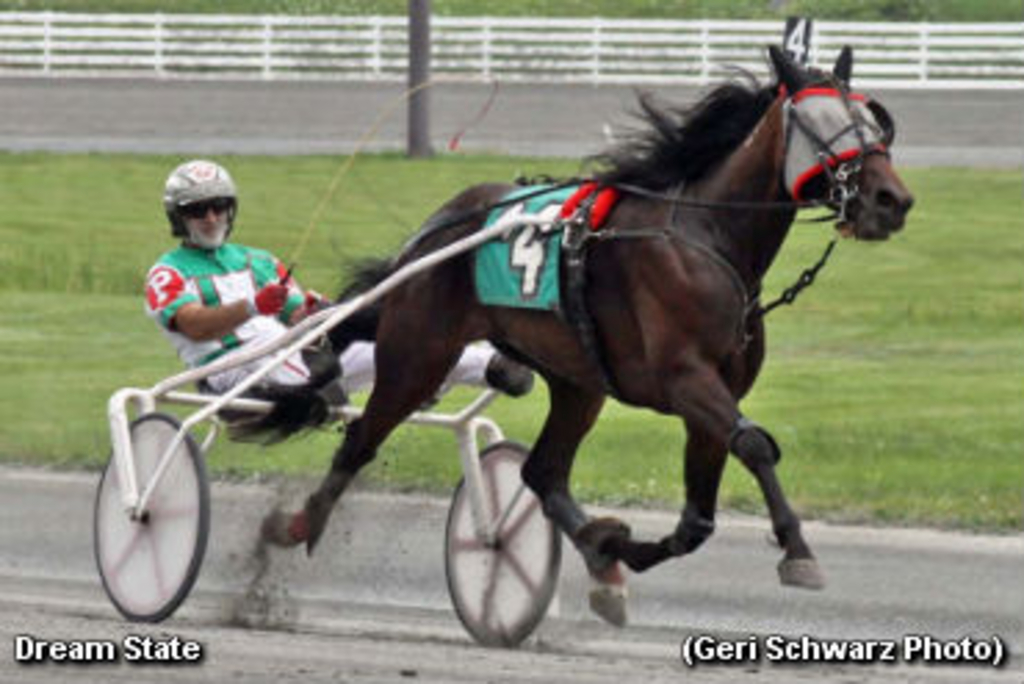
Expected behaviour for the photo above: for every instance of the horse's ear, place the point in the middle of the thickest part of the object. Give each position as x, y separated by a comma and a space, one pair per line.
843, 70
788, 73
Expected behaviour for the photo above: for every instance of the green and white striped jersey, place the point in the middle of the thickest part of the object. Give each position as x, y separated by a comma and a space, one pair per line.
217, 277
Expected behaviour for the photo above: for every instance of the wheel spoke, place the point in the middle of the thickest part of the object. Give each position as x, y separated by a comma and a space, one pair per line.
171, 513
472, 544
520, 572
490, 589
158, 571
129, 549
512, 530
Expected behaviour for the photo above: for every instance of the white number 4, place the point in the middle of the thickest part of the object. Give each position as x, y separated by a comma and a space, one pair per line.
528, 254
798, 41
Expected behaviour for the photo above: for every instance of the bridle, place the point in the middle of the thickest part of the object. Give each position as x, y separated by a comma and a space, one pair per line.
868, 130
837, 155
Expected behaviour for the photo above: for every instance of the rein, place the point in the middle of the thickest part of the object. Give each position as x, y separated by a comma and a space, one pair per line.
781, 205
751, 300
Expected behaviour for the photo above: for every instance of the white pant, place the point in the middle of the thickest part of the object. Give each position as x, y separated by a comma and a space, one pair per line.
358, 369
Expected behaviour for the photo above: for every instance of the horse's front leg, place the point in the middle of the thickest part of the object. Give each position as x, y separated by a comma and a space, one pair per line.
704, 400
759, 453
713, 418
705, 460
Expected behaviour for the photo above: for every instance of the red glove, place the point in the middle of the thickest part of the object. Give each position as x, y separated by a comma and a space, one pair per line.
315, 301
269, 300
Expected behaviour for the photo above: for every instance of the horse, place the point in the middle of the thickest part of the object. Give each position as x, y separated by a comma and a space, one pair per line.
707, 197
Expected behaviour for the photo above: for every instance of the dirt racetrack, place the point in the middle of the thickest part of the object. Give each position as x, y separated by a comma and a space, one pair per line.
371, 605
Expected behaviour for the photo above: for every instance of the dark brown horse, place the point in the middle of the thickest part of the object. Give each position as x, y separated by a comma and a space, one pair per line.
708, 196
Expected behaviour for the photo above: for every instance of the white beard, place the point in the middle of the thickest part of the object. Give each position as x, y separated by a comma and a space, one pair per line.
205, 241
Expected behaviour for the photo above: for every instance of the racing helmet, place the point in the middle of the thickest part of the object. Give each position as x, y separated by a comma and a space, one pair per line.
195, 182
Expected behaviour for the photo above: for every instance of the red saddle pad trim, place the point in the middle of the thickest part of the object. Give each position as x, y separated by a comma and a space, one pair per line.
605, 202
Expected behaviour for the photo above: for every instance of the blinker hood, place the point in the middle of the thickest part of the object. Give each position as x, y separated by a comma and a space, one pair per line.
823, 112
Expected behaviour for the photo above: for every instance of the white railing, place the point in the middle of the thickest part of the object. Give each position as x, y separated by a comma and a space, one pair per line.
529, 50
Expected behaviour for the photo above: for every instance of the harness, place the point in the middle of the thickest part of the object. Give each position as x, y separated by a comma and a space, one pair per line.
838, 159
579, 230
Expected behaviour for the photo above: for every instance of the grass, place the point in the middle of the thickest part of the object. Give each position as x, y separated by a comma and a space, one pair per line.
864, 10
894, 386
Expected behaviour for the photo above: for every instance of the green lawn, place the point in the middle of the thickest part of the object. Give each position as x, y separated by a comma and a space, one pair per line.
865, 10
895, 387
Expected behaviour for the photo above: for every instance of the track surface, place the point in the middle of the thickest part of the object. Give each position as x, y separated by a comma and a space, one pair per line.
979, 128
371, 604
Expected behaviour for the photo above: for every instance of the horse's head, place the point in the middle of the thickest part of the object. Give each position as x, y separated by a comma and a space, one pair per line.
837, 148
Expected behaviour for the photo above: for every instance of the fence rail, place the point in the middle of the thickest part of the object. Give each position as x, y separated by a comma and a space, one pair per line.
907, 55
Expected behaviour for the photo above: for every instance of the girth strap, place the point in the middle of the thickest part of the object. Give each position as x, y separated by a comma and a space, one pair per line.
575, 237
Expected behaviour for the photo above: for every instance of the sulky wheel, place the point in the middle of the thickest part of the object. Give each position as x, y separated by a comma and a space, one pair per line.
501, 592
148, 566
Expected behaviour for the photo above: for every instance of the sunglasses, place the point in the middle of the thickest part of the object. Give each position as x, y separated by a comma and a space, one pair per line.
200, 209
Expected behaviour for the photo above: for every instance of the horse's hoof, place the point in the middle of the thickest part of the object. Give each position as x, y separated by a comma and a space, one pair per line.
298, 528
593, 541
608, 596
313, 521
801, 572
280, 529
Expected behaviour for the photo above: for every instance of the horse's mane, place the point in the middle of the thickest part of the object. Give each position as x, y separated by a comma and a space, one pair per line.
682, 144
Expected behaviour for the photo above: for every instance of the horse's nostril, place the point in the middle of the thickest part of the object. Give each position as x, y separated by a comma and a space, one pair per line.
889, 201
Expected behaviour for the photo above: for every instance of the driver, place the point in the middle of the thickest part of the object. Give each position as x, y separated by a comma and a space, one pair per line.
213, 298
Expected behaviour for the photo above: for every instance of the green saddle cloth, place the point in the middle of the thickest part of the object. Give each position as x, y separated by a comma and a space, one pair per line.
522, 270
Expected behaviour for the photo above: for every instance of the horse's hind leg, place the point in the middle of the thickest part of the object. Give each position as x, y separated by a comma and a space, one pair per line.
704, 463
403, 383
546, 472
572, 414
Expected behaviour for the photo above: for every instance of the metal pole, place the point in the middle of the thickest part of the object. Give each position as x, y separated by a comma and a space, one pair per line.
418, 143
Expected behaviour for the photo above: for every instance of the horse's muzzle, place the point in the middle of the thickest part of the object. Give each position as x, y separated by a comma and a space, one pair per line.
883, 204
892, 206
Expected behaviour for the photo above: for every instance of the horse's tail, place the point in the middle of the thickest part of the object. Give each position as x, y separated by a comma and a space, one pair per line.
296, 408
362, 324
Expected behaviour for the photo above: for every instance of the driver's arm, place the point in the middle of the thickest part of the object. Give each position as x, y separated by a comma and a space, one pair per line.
198, 322
201, 323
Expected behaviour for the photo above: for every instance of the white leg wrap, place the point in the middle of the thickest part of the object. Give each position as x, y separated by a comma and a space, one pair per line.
357, 367
471, 368
291, 372
358, 370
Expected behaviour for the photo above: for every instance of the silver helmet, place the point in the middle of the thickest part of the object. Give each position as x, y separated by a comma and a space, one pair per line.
194, 182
